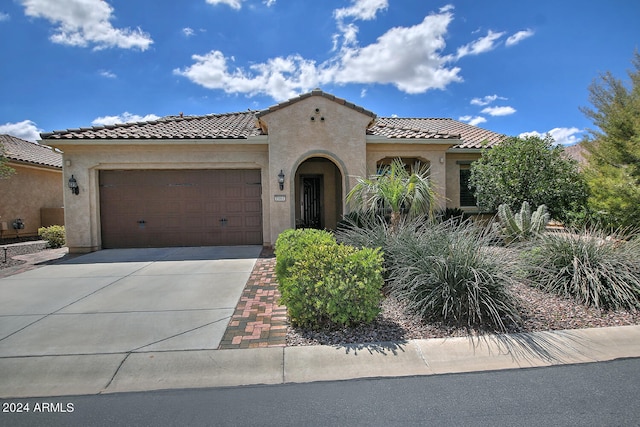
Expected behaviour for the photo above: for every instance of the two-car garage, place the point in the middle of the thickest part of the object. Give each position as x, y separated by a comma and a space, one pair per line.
180, 207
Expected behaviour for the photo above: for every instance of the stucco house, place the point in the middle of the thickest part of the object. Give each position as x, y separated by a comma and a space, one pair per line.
31, 197
242, 178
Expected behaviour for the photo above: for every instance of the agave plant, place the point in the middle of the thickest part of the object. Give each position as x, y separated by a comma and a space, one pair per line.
524, 225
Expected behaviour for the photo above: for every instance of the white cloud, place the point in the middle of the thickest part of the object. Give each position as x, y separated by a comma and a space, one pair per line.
269, 3
108, 74
408, 57
188, 32
363, 93
85, 22
486, 100
365, 10
4, 16
473, 121
235, 4
518, 37
499, 111
280, 78
481, 45
562, 136
25, 129
125, 117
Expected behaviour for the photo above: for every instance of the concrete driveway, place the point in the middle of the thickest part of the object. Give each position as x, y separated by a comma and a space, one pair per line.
123, 301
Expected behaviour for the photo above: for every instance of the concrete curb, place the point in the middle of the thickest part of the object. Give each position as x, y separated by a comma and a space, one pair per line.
143, 371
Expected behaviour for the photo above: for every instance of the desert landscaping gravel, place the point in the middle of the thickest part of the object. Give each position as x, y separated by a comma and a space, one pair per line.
540, 311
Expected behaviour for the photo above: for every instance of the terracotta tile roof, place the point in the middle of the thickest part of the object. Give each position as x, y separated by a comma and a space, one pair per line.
434, 128
315, 92
246, 124
214, 126
19, 150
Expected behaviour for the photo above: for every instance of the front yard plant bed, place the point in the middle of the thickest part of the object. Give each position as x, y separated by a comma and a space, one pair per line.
540, 311
536, 307
460, 279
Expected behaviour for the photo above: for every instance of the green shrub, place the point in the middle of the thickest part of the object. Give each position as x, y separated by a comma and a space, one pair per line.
590, 267
522, 226
292, 244
54, 235
446, 272
333, 284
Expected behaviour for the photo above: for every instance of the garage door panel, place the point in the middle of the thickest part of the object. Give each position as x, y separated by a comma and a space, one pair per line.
180, 207
253, 207
191, 206
252, 222
234, 206
213, 208
252, 191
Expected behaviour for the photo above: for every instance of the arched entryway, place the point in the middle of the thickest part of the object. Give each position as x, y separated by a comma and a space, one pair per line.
318, 194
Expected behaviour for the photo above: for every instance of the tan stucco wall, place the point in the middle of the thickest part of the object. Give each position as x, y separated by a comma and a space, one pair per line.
337, 134
453, 177
294, 138
82, 211
24, 193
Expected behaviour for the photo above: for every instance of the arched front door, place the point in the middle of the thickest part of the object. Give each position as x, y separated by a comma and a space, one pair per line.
318, 194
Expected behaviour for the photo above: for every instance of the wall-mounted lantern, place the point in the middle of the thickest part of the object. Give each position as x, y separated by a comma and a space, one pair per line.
281, 180
73, 185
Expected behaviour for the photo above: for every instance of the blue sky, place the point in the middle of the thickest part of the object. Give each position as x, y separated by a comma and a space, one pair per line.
513, 67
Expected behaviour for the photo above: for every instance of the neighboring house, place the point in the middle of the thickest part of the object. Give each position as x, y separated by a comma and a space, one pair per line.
242, 178
33, 194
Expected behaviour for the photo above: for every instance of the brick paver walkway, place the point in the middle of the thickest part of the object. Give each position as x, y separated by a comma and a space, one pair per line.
258, 320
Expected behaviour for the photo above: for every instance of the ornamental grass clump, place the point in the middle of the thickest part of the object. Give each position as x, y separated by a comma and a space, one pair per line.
590, 267
446, 272
363, 231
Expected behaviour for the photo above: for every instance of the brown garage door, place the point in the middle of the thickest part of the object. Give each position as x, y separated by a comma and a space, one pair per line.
159, 208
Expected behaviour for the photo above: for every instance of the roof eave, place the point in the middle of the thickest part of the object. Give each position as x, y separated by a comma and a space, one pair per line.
71, 142
26, 163
455, 150
377, 139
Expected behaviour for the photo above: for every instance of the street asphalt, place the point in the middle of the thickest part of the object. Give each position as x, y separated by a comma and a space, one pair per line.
151, 319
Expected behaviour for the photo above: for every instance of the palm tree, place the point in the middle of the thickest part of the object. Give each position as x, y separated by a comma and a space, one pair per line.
405, 193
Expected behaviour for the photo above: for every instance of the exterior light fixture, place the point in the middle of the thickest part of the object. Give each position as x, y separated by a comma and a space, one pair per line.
73, 185
281, 180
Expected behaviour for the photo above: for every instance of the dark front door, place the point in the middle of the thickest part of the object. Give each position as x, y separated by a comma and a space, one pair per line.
311, 203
